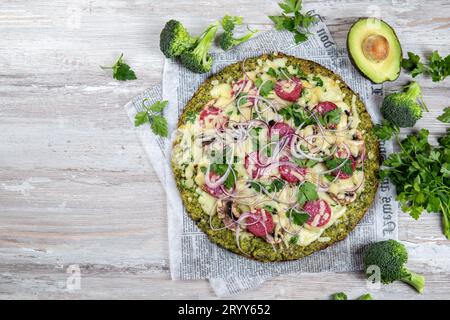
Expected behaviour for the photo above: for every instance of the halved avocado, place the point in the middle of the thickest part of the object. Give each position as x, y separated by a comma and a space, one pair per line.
374, 49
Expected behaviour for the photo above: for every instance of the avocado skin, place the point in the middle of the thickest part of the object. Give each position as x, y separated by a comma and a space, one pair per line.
354, 62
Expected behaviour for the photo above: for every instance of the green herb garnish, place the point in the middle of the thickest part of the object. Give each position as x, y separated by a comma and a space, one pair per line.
437, 67
293, 20
153, 114
121, 71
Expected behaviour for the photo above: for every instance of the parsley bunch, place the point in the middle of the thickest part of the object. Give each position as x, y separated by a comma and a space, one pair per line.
293, 20
438, 67
421, 175
153, 115
121, 71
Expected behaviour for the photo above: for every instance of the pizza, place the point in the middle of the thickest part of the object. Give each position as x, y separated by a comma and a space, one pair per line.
275, 159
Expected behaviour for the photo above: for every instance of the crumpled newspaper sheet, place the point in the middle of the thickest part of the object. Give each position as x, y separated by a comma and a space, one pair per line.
192, 254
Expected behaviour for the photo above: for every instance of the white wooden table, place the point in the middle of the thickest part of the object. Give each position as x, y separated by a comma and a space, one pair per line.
71, 166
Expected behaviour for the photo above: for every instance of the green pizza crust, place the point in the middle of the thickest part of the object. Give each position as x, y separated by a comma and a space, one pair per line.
258, 248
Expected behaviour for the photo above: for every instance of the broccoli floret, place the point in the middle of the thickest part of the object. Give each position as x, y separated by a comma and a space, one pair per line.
198, 59
227, 41
390, 256
174, 39
402, 108
366, 296
339, 296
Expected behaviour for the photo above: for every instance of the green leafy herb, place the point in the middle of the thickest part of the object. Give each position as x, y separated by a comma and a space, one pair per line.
265, 87
121, 71
437, 67
297, 113
275, 186
331, 117
336, 162
385, 130
153, 114
445, 117
221, 169
421, 174
293, 20
298, 218
293, 240
307, 192
318, 80
191, 116
270, 209
308, 163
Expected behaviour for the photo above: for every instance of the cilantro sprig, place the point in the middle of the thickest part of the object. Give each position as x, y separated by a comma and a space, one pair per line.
153, 114
307, 192
421, 175
293, 20
299, 218
437, 66
297, 114
121, 70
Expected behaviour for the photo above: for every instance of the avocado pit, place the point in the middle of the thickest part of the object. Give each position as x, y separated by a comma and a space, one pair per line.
375, 47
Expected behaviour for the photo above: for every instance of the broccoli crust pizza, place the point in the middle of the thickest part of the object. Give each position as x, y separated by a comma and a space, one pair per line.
274, 158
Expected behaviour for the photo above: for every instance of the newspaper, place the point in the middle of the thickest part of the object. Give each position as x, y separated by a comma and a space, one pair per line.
192, 255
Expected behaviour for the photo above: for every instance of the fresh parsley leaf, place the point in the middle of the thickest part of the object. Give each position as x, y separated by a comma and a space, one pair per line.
297, 114
445, 117
256, 186
191, 116
271, 72
293, 20
307, 192
438, 67
293, 240
221, 169
159, 126
121, 71
275, 186
420, 173
318, 80
265, 87
153, 114
270, 209
336, 162
385, 130
413, 64
331, 117
298, 218
140, 118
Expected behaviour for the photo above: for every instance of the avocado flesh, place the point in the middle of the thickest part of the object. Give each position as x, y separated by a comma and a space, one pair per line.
375, 50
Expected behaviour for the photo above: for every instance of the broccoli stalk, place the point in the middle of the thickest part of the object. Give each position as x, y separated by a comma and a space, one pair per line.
390, 256
174, 39
198, 59
402, 108
366, 296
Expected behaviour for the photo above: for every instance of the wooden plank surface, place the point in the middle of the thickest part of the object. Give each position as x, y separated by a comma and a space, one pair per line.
75, 186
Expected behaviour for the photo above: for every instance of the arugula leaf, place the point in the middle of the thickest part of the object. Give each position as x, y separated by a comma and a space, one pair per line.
420, 173
307, 192
293, 20
265, 87
438, 67
298, 218
336, 162
153, 114
445, 117
121, 71
385, 130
